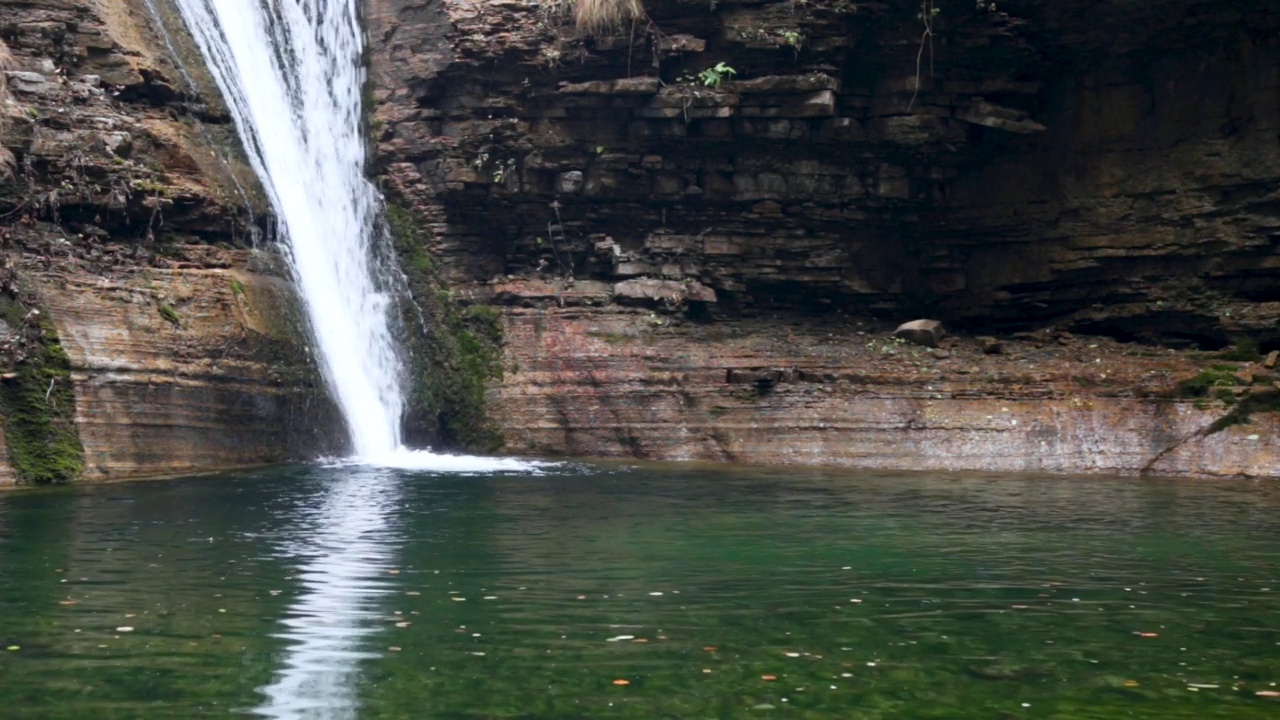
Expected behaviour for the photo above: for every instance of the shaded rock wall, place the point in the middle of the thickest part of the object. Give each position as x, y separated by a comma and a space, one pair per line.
1056, 156
1103, 168
126, 221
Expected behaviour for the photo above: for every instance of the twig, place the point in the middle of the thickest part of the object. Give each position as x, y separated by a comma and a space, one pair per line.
49, 392
555, 205
927, 12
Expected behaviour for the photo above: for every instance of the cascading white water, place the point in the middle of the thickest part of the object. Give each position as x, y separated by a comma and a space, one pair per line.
291, 74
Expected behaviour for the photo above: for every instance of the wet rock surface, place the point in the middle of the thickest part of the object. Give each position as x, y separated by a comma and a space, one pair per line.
126, 218
1099, 169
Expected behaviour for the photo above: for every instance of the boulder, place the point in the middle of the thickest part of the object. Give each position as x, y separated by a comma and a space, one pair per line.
697, 292
680, 43
671, 291
569, 182
1001, 118
921, 332
119, 144
30, 83
991, 346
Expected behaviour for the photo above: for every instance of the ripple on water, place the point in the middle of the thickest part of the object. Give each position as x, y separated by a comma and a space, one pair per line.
284, 592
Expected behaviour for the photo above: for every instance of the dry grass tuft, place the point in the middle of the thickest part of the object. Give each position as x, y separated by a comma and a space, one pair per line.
598, 16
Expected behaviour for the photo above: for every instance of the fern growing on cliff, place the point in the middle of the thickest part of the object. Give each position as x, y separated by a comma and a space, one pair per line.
593, 17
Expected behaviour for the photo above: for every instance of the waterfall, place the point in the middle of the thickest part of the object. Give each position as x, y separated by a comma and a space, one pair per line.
291, 74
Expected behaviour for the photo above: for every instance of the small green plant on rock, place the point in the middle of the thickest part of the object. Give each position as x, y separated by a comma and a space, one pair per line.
1243, 351
713, 76
168, 313
504, 172
1214, 381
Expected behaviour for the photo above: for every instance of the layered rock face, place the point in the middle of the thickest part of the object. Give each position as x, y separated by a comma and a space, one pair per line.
613, 382
142, 333
711, 193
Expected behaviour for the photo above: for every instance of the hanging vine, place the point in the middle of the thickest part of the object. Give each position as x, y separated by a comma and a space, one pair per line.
928, 11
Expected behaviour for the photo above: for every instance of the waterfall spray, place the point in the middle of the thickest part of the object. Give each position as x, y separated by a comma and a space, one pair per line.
291, 73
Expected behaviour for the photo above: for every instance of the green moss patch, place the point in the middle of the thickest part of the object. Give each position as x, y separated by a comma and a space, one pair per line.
168, 313
1243, 351
1259, 400
456, 351
38, 403
1209, 382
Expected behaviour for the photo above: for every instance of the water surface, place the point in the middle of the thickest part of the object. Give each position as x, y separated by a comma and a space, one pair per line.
655, 592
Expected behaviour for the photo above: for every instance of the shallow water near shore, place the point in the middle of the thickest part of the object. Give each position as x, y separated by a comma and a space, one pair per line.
576, 591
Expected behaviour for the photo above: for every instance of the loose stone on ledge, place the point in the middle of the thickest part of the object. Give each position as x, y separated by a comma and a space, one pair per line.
921, 332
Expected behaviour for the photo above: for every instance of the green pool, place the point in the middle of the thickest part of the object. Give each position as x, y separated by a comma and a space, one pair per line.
640, 592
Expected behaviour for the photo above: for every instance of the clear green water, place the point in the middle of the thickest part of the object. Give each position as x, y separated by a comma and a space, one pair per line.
286, 593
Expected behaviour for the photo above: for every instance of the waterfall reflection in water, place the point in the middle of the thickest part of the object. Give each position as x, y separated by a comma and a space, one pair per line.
882, 596
346, 541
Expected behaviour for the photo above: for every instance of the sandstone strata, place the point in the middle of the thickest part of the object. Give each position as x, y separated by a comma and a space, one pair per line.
125, 219
187, 367
622, 382
1100, 168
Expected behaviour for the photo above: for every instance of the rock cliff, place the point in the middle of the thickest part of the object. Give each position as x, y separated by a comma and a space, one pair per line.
695, 232
142, 332
700, 227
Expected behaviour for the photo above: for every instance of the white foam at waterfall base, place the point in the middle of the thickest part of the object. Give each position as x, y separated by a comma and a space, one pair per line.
424, 460
290, 72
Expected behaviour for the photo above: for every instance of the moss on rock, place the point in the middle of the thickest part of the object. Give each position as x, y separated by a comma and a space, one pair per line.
168, 313
37, 401
456, 351
1208, 382
1265, 399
